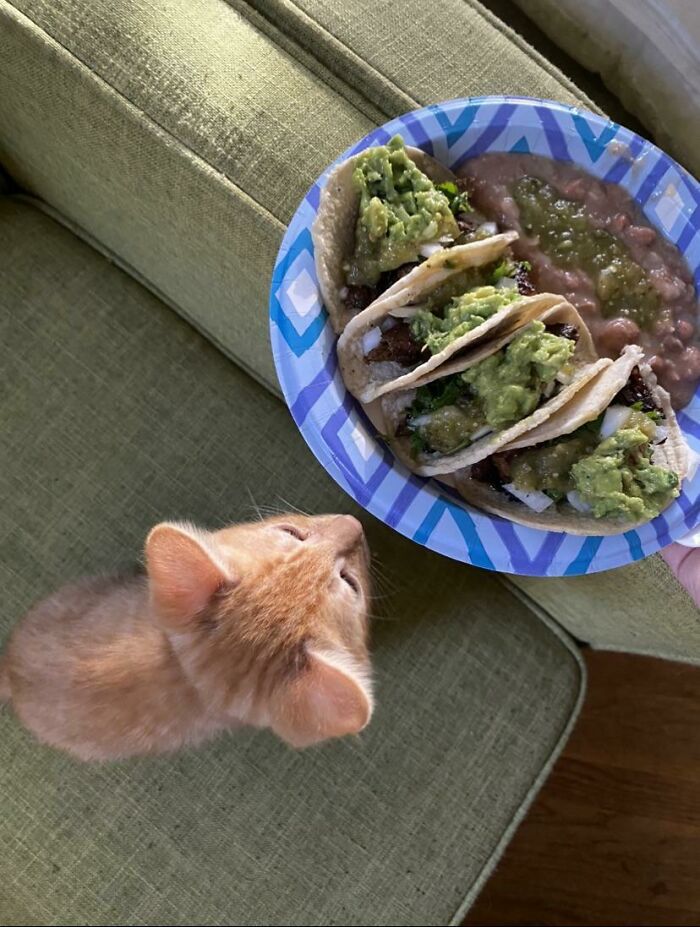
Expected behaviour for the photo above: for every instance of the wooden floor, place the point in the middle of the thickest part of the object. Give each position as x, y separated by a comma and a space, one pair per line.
614, 836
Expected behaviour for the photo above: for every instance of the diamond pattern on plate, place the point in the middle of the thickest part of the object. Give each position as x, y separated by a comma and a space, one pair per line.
343, 441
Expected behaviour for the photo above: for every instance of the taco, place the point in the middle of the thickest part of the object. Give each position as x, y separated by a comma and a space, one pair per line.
453, 301
480, 402
610, 460
380, 214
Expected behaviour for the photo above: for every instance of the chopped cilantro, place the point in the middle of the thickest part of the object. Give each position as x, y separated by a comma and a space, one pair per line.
459, 202
435, 395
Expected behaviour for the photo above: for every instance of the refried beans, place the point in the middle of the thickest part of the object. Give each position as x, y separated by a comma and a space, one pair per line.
590, 242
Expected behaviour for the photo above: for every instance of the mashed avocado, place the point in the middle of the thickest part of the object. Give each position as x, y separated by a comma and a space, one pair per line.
495, 393
509, 384
462, 314
618, 480
400, 209
615, 477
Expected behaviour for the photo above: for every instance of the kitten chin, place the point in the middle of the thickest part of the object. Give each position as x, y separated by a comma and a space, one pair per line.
263, 624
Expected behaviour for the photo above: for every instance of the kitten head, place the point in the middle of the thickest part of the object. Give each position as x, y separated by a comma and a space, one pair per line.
269, 620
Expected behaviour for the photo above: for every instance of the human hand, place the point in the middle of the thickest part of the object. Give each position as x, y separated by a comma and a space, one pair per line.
685, 563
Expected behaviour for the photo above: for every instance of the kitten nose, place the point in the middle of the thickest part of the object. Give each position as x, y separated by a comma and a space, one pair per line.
346, 530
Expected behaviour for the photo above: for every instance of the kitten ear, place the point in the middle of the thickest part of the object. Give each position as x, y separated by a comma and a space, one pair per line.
325, 699
184, 573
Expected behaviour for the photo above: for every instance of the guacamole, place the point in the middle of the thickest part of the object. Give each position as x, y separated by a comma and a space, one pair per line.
495, 393
400, 209
618, 479
461, 315
614, 476
509, 384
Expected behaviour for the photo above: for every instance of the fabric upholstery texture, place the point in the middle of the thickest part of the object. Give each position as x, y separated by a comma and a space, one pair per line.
118, 414
639, 608
182, 137
402, 54
181, 141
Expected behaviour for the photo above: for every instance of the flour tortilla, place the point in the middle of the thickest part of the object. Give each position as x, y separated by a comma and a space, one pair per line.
333, 231
395, 403
366, 380
586, 406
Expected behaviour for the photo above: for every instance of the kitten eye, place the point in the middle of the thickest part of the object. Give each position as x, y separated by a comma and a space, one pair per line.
351, 581
295, 532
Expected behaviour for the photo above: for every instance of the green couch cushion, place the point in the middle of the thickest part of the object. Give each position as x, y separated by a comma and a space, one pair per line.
640, 608
412, 53
118, 414
181, 136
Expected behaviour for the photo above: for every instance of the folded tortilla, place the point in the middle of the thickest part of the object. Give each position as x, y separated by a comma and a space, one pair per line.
588, 403
394, 404
333, 231
369, 380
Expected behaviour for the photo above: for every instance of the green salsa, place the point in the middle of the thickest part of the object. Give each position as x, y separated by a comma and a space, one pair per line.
613, 476
400, 209
568, 237
495, 393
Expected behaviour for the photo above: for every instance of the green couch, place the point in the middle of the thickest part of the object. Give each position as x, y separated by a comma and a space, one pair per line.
153, 151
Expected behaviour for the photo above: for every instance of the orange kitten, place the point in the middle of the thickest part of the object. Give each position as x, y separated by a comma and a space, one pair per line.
262, 624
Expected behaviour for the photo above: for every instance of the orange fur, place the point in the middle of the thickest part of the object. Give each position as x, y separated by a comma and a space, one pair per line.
262, 624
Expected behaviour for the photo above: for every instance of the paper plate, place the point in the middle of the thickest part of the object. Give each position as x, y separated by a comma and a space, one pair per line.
334, 425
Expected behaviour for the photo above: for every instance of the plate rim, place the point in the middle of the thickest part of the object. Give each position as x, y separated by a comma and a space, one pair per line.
620, 556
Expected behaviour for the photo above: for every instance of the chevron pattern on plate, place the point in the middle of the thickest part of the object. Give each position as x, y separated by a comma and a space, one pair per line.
334, 425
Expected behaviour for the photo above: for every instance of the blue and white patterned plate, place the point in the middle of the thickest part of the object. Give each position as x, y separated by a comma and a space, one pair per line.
335, 426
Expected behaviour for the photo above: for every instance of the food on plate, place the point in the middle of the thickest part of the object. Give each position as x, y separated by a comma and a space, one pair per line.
609, 460
520, 331
491, 396
590, 242
453, 301
381, 213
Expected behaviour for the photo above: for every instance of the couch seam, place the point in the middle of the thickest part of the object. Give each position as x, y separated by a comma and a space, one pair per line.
567, 643
351, 94
146, 117
647, 652
486, 15
334, 40
76, 229
532, 53
200, 160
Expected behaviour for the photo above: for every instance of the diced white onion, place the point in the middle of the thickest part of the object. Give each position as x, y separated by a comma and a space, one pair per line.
549, 389
343, 292
429, 248
481, 432
371, 339
446, 240
405, 312
420, 420
532, 498
564, 377
574, 499
506, 283
660, 434
614, 419
387, 322
489, 228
